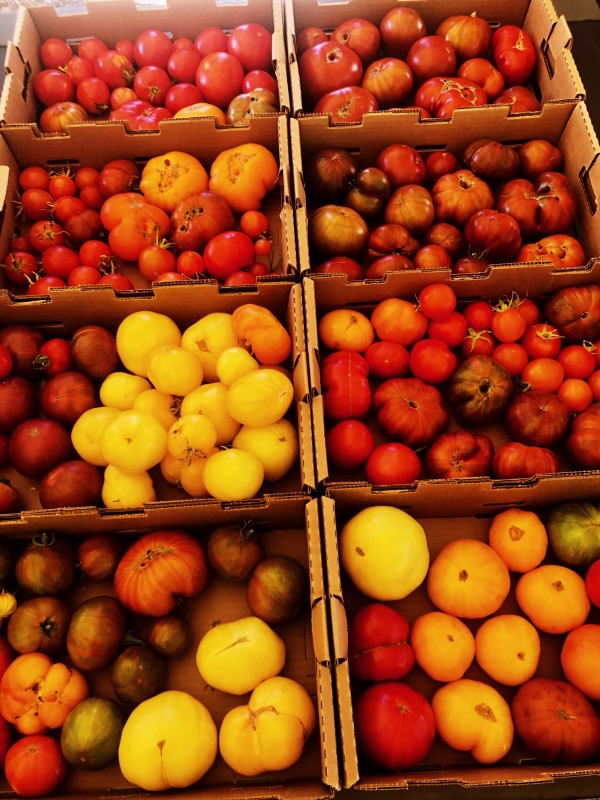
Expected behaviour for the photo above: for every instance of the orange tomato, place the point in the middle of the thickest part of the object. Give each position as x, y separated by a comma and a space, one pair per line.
244, 175
398, 320
168, 179
138, 229
346, 329
115, 207
554, 598
259, 328
579, 659
507, 647
520, 539
444, 646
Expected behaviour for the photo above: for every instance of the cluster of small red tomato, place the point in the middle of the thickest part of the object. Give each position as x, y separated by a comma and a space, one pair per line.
549, 376
151, 78
63, 240
493, 204
46, 383
363, 66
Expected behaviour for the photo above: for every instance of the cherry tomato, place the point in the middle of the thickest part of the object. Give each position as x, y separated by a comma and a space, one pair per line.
432, 361
512, 356
349, 443
84, 276
437, 300
478, 343
241, 277
156, 259
529, 310
37, 204
190, 263
542, 339
117, 280
20, 266
44, 234
254, 223
94, 253
577, 360
54, 357
392, 463
66, 207
263, 247
86, 176
43, 284
544, 374
508, 324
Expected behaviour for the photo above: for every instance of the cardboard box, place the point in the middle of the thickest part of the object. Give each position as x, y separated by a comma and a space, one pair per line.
66, 310
558, 82
111, 20
285, 526
323, 293
95, 145
444, 772
575, 136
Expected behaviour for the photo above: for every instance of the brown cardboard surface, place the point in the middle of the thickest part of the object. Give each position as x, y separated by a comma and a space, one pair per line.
556, 72
444, 769
99, 17
95, 144
66, 310
576, 138
291, 527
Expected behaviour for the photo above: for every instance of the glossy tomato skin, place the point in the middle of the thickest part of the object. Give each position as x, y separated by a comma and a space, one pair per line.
346, 104
345, 385
514, 54
349, 444
518, 460
493, 232
250, 43
410, 410
325, 67
459, 454
392, 463
432, 361
219, 77
395, 725
387, 360
592, 582
431, 56
378, 646
228, 252
35, 766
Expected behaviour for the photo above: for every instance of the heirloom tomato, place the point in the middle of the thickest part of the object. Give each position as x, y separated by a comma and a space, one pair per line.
244, 175
261, 331
514, 54
35, 766
167, 179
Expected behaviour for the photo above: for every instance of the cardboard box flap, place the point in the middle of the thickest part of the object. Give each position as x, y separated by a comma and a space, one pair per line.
305, 435
330, 763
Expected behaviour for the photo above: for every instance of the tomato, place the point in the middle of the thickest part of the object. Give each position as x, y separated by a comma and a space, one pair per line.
140, 115
250, 43
260, 79
451, 329
458, 195
53, 86
59, 261
125, 46
576, 393
520, 99
66, 207
538, 418
575, 310
410, 410
168, 179
517, 460
137, 230
219, 77
37, 203
432, 361
182, 66
152, 47
543, 373
480, 390
55, 52
35, 766
402, 164
508, 324
233, 474
578, 361
61, 184
431, 56
387, 360
244, 175
412, 206
19, 267
478, 314
210, 40
57, 117
491, 160
45, 233
439, 95
261, 331
182, 95
93, 95
494, 233
345, 386
228, 252
156, 259
512, 356
326, 67
152, 84
114, 69
439, 163
485, 74
347, 104
392, 463
34, 178
447, 236
346, 329
54, 357
514, 54
348, 444
90, 47
529, 310
78, 68
389, 80
545, 207
437, 300
190, 264
470, 35
391, 238
459, 454
398, 320
541, 339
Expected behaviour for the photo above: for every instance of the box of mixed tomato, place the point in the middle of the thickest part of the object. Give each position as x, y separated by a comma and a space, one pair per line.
220, 64
159, 680
440, 382
459, 665
355, 58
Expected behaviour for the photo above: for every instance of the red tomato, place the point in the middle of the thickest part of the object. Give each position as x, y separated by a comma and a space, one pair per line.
512, 356
439, 163
395, 725
542, 339
6, 362
479, 314
61, 185
44, 234
210, 40
577, 360
37, 204
140, 115
592, 582
182, 65
114, 68
508, 324
57, 117
451, 329
53, 86
93, 95
402, 163
345, 385
349, 443
432, 256
432, 361
378, 646
529, 310
347, 104
389, 80
259, 79
58, 260
34, 178
55, 357
387, 360
156, 259
219, 77
543, 374
78, 68
84, 276
35, 766
152, 84
43, 284
494, 233
66, 207
94, 253
55, 52
90, 48
484, 73
190, 263
594, 383
182, 95
431, 56
86, 176
392, 463
250, 43
397, 320
120, 95
152, 47
19, 266
228, 252
478, 343
514, 54
325, 67
437, 300
576, 394
117, 280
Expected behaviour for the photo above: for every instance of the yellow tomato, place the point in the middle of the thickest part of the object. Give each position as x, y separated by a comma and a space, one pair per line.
170, 468
169, 740
134, 441
275, 445
268, 734
260, 398
191, 474
161, 405
209, 399
126, 489
243, 175
174, 370
139, 334
87, 432
120, 389
202, 110
191, 436
346, 329
166, 180
233, 474
207, 338
234, 363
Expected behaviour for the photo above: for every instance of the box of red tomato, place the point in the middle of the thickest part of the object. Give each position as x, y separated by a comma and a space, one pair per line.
394, 56
166, 56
